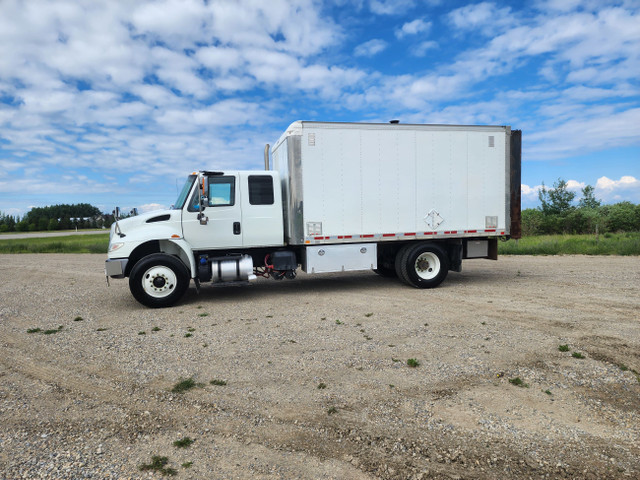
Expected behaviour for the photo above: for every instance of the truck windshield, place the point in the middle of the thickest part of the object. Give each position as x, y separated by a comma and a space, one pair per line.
186, 188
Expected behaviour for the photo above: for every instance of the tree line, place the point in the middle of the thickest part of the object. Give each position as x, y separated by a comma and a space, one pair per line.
56, 217
558, 213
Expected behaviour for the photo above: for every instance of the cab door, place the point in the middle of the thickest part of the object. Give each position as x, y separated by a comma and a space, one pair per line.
224, 228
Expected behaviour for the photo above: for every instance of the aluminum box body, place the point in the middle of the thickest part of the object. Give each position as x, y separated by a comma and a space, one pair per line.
349, 182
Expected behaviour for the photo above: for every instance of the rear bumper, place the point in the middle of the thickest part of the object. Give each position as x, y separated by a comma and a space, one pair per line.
115, 267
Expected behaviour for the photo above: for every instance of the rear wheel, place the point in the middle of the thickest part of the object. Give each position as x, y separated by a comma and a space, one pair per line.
158, 280
424, 265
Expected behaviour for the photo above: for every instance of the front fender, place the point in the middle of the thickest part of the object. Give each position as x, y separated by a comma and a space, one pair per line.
182, 249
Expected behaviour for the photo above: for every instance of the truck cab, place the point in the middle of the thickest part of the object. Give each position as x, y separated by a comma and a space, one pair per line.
219, 223
226, 210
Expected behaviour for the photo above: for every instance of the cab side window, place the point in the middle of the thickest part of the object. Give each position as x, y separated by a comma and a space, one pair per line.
260, 190
222, 191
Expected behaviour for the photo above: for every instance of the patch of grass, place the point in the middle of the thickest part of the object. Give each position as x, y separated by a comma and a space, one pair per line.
622, 366
78, 319
548, 392
395, 359
191, 329
183, 442
608, 244
218, 383
577, 355
142, 332
563, 348
413, 363
518, 382
205, 314
53, 330
156, 329
338, 322
332, 410
102, 329
187, 464
187, 335
185, 384
322, 386
34, 330
93, 243
158, 464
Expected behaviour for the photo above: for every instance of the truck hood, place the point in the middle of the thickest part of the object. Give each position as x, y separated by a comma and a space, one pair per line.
156, 217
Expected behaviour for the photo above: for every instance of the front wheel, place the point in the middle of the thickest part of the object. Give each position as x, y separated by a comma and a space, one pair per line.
158, 280
424, 265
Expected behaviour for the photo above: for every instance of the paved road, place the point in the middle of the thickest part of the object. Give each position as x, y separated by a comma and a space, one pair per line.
10, 236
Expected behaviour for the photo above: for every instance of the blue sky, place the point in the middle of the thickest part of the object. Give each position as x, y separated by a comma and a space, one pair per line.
113, 102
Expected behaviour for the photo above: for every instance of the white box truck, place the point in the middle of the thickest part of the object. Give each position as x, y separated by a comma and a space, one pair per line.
403, 200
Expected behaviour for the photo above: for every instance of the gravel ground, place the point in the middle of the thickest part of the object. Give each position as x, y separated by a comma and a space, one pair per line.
317, 381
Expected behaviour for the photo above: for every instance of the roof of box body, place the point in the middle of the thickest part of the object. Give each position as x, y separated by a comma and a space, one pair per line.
298, 126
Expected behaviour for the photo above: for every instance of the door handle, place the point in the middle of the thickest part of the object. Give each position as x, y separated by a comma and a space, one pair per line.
236, 228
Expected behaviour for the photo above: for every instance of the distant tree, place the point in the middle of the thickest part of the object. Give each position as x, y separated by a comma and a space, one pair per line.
556, 201
22, 226
622, 217
53, 224
588, 199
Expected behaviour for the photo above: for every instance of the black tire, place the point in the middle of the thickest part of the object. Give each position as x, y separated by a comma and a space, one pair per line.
158, 280
422, 265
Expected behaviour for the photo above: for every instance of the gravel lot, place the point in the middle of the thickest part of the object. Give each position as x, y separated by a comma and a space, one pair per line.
317, 381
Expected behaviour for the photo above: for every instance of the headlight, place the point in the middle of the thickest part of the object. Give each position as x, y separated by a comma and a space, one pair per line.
115, 246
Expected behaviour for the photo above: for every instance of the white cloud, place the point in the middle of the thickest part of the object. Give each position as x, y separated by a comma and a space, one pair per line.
422, 48
413, 28
150, 207
370, 48
391, 7
485, 17
628, 187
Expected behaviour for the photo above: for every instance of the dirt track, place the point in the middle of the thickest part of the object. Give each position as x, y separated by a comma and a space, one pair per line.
94, 399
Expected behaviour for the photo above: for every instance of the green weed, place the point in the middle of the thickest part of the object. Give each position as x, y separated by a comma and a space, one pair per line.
218, 383
34, 330
563, 348
185, 384
183, 442
577, 355
413, 363
518, 382
158, 464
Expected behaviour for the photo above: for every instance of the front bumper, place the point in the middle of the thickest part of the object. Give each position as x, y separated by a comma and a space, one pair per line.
115, 267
